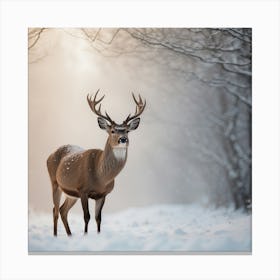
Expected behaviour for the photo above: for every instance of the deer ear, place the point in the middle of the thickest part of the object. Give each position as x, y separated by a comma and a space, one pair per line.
134, 124
102, 123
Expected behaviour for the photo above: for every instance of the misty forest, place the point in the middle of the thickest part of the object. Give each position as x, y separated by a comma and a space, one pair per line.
187, 182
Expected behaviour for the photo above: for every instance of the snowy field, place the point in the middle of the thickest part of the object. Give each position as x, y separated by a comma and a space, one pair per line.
161, 228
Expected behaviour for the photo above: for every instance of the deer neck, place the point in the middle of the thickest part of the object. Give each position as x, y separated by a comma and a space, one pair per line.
112, 162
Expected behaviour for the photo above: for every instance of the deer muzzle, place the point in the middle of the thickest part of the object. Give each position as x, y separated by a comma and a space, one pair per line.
123, 140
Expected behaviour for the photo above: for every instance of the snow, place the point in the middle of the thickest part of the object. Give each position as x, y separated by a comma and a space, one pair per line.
159, 228
73, 149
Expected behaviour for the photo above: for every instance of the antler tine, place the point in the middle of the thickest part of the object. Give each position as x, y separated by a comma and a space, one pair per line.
93, 103
110, 120
134, 98
99, 109
140, 106
98, 101
140, 99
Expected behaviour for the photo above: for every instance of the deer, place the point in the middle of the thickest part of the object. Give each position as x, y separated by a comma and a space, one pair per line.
82, 174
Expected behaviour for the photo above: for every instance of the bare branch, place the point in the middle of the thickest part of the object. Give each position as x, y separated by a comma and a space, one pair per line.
36, 35
180, 49
96, 36
222, 84
239, 35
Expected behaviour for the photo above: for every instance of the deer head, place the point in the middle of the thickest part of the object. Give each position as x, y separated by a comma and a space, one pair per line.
118, 133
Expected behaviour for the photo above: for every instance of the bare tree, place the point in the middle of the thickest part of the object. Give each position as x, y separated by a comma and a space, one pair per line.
217, 58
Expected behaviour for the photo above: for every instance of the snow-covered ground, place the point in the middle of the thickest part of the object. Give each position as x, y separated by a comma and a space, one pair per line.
173, 228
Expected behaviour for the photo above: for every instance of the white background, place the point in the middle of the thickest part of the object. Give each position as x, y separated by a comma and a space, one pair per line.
16, 17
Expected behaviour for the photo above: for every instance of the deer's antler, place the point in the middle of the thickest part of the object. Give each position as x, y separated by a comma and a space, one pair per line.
93, 103
140, 106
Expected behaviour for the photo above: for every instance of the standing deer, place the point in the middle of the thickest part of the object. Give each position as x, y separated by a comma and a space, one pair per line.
85, 174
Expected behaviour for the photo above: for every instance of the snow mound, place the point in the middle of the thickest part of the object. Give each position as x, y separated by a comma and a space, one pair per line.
160, 228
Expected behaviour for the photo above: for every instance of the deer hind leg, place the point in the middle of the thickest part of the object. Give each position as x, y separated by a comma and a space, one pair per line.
56, 201
98, 208
64, 209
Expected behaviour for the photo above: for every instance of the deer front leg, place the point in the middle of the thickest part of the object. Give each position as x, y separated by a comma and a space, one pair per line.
98, 208
84, 200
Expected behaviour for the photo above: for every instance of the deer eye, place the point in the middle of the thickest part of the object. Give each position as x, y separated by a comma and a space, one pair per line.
112, 131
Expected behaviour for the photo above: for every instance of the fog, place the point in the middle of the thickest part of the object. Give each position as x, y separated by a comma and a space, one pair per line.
172, 157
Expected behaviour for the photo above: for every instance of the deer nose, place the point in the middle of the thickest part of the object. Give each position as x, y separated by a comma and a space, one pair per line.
123, 140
